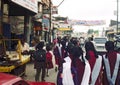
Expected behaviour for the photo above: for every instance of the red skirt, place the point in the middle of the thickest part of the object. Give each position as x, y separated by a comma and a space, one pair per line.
49, 65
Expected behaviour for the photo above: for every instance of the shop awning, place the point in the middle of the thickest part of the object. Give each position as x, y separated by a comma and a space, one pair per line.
19, 10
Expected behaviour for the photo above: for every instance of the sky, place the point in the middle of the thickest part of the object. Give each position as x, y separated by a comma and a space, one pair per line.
87, 9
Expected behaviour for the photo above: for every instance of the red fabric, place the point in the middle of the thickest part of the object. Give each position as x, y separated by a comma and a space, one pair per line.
48, 56
49, 60
55, 41
58, 58
71, 56
92, 61
80, 67
112, 56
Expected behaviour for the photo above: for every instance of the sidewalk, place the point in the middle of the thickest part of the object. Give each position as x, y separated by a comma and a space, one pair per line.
30, 72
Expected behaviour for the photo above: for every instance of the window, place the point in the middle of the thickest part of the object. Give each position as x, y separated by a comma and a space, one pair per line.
100, 40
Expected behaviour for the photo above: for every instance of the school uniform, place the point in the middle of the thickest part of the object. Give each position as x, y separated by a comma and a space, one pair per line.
49, 60
111, 73
59, 54
83, 71
96, 69
67, 74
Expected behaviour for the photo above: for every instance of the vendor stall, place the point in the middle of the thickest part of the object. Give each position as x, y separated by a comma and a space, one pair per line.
13, 61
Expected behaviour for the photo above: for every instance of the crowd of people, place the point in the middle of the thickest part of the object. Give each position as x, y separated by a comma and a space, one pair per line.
86, 67
75, 66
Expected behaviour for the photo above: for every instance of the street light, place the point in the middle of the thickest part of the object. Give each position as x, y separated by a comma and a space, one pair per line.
117, 14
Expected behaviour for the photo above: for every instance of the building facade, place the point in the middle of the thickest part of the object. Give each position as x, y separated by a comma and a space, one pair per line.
23, 18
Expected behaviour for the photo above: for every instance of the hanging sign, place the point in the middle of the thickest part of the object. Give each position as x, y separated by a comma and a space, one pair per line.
54, 10
46, 23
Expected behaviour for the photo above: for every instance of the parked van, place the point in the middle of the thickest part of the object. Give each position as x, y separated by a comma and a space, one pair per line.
100, 43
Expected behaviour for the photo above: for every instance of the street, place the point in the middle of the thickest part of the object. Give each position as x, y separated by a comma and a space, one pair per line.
30, 72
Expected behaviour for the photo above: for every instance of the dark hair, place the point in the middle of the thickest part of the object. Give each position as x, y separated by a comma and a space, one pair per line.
23, 41
40, 45
91, 38
70, 48
75, 42
109, 45
77, 52
48, 47
89, 46
59, 39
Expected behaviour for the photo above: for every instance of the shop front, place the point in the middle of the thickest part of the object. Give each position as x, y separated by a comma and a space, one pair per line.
17, 15
16, 23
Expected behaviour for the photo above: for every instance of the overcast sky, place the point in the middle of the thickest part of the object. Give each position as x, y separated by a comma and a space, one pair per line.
87, 9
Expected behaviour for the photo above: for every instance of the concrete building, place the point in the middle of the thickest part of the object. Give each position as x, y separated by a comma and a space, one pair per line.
21, 18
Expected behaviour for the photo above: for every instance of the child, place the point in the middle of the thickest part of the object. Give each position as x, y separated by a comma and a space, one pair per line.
49, 59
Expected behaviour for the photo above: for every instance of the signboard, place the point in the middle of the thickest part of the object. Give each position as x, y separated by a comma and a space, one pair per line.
64, 29
46, 23
29, 4
54, 10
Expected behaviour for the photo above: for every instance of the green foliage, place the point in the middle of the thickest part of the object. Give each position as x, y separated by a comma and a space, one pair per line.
90, 31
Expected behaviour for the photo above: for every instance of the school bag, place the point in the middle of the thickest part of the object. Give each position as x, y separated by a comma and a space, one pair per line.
40, 55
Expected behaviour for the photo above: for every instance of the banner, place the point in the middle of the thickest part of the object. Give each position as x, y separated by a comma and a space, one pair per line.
87, 23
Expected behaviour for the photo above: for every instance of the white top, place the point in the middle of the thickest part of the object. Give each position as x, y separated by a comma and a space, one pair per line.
25, 47
67, 75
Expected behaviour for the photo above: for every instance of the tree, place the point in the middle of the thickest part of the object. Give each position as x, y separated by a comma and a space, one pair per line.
90, 31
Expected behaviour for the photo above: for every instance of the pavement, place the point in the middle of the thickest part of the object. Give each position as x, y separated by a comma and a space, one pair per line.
30, 72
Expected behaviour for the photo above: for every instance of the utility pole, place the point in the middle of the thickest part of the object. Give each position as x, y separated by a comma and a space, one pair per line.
60, 3
49, 36
117, 15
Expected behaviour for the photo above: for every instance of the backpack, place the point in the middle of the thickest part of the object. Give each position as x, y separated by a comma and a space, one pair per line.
40, 55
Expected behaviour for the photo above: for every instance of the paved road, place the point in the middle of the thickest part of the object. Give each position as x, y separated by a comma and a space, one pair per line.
30, 72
